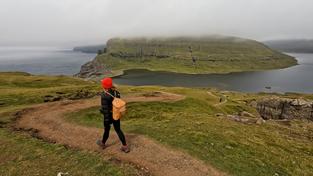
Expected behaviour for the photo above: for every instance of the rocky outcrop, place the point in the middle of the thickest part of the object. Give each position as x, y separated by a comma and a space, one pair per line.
90, 69
285, 108
79, 94
138, 55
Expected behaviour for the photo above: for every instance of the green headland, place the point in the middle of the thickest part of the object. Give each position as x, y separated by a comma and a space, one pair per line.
193, 55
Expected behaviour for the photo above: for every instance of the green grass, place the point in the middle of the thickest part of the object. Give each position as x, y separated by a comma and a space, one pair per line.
189, 125
22, 88
24, 80
236, 148
214, 55
23, 155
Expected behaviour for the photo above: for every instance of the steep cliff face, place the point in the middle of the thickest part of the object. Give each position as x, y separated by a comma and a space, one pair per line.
200, 47
96, 69
285, 108
91, 69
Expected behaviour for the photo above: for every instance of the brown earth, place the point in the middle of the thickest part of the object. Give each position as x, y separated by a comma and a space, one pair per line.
46, 121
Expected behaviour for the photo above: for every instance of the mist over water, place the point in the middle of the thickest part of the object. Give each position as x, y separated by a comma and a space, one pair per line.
78, 22
42, 60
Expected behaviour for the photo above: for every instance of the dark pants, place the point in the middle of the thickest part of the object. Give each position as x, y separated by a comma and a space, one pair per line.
117, 128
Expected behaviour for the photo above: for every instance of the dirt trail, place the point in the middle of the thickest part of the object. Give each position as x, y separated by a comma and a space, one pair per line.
47, 121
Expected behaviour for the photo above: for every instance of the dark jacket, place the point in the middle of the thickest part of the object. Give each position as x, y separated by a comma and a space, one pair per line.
106, 104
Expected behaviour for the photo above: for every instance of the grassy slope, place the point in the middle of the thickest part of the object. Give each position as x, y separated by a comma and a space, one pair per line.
24, 155
237, 148
21, 88
214, 55
188, 125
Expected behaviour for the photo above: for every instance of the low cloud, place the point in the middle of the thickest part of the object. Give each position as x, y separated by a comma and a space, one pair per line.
82, 21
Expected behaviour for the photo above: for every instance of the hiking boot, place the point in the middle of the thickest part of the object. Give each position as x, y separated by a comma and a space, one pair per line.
101, 144
125, 149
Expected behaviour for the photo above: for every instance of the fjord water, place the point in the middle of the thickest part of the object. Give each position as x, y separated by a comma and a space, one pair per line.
42, 60
298, 78
54, 61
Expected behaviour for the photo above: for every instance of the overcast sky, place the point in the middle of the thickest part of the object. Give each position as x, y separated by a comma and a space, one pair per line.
94, 21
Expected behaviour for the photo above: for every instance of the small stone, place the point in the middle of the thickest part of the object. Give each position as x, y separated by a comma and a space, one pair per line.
234, 117
228, 147
260, 121
219, 114
244, 120
253, 103
57, 98
246, 114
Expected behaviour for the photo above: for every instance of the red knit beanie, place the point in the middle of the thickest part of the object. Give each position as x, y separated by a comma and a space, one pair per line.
106, 83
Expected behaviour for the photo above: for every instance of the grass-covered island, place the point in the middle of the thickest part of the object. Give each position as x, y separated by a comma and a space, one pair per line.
222, 129
194, 55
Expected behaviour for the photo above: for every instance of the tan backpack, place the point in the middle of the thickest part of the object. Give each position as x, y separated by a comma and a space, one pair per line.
119, 107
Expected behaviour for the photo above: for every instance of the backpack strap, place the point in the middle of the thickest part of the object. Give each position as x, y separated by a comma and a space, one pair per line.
110, 93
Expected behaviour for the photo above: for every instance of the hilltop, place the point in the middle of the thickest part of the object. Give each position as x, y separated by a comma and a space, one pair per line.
292, 45
211, 54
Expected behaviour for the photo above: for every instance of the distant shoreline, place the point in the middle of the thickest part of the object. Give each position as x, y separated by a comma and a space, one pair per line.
292, 45
90, 48
42, 60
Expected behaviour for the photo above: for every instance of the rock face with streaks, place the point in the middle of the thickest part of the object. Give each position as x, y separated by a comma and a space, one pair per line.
92, 68
285, 108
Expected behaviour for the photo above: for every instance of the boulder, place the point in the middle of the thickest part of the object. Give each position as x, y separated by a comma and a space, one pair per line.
285, 108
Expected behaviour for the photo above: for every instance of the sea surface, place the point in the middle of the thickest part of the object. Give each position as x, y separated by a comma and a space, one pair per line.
42, 60
298, 78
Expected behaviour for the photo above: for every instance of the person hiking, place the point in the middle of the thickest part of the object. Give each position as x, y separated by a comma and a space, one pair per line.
106, 110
